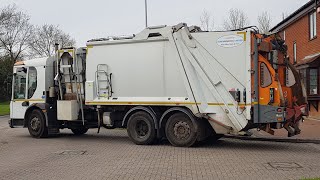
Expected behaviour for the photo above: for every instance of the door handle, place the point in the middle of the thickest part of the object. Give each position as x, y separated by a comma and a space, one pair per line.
25, 103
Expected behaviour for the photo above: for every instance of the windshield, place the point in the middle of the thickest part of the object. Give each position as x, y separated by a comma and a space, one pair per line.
25, 83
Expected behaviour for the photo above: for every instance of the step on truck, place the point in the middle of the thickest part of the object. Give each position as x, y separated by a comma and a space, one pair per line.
172, 82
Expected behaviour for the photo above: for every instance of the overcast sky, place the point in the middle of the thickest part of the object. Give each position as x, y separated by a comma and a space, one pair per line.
88, 19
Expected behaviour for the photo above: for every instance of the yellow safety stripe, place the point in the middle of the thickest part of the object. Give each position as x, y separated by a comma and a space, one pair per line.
140, 103
66, 50
157, 103
137, 103
28, 100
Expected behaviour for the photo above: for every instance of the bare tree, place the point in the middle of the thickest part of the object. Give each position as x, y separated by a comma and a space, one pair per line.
15, 32
264, 21
6, 13
44, 39
207, 22
237, 19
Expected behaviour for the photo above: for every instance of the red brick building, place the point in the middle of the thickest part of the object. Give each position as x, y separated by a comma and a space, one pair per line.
301, 31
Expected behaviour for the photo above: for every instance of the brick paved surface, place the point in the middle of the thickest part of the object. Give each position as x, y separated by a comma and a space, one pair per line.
111, 155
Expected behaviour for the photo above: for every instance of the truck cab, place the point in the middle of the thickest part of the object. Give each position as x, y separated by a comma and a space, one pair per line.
30, 80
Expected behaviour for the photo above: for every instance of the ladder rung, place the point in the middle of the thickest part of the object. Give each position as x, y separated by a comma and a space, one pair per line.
71, 74
65, 66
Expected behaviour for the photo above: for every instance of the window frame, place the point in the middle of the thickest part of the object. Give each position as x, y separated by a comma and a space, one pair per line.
312, 25
308, 82
14, 87
304, 77
28, 83
295, 52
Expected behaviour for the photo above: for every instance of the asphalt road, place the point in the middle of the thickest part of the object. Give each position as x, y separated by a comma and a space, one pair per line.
111, 155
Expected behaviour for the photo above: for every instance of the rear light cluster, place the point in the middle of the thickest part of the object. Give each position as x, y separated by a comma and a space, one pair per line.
280, 114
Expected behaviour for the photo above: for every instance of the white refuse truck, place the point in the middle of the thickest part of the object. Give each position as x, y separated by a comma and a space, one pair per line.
173, 82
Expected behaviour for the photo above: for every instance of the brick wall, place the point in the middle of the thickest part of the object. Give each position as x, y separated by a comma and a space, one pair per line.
299, 32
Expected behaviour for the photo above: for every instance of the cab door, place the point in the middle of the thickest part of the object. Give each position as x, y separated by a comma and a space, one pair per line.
24, 87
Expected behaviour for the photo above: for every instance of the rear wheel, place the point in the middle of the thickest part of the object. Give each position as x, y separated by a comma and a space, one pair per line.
180, 130
141, 128
37, 124
79, 131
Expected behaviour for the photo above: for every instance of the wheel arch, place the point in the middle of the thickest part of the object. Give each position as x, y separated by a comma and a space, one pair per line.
148, 110
40, 106
165, 116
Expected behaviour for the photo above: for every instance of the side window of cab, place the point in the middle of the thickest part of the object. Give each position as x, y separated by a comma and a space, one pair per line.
32, 81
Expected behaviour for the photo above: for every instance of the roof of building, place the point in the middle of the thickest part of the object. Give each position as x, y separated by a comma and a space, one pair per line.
309, 59
295, 15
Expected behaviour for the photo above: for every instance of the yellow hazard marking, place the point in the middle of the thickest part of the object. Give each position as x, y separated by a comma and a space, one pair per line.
244, 35
158, 103
140, 103
28, 100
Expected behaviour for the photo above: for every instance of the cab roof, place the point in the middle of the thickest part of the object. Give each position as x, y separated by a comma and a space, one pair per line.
33, 62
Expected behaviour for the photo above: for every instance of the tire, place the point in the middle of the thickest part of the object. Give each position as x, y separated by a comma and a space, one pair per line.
180, 130
141, 128
37, 124
80, 131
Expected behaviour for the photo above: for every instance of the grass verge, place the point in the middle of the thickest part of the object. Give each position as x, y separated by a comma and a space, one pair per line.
4, 108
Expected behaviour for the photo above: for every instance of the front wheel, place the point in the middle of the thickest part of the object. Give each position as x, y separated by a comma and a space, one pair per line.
37, 124
180, 130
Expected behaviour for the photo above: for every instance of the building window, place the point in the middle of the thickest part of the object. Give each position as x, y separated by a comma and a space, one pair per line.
310, 80
284, 35
313, 84
303, 75
313, 25
294, 52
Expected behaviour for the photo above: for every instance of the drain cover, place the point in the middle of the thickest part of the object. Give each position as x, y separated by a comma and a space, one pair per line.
72, 152
284, 165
